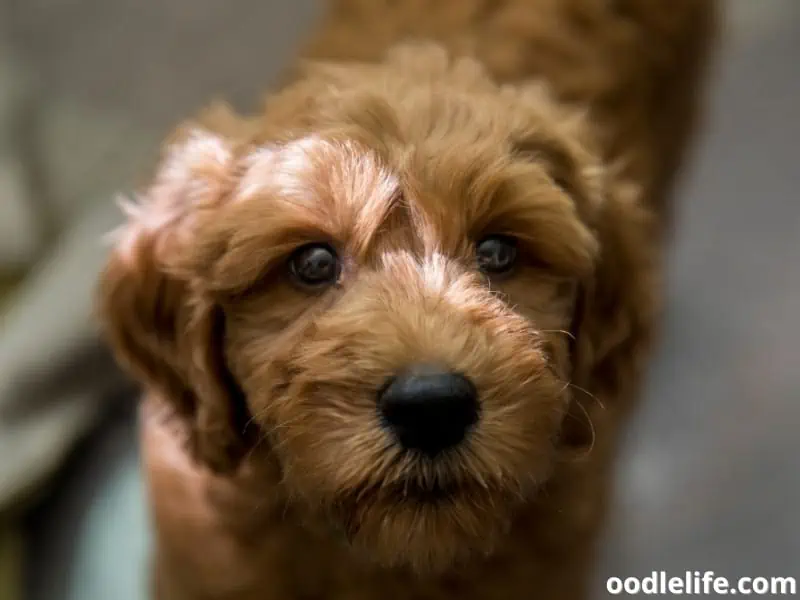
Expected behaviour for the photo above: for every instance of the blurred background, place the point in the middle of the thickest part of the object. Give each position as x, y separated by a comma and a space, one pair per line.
710, 476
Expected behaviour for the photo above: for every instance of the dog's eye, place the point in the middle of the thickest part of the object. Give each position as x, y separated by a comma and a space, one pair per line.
496, 254
315, 265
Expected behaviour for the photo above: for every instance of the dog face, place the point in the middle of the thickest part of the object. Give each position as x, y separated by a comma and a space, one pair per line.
405, 344
379, 278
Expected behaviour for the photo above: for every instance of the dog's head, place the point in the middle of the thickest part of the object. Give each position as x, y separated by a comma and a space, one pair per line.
386, 285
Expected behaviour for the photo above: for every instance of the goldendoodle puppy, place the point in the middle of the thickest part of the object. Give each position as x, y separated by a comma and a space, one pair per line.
390, 326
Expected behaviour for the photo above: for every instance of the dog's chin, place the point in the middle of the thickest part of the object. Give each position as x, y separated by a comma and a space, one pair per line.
427, 529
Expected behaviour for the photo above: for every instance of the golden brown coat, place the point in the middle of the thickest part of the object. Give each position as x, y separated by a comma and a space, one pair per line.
558, 123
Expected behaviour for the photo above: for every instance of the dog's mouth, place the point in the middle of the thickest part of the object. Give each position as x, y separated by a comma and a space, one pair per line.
392, 499
432, 493
405, 492
428, 525
422, 496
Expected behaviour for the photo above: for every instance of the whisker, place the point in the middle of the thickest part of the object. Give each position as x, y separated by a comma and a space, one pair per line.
588, 393
591, 428
569, 334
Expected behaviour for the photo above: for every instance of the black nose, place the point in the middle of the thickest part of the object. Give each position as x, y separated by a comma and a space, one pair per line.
429, 410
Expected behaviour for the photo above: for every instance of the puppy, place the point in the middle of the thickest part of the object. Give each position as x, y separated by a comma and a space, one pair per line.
390, 327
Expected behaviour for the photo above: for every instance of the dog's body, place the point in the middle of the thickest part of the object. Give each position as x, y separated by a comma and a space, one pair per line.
285, 274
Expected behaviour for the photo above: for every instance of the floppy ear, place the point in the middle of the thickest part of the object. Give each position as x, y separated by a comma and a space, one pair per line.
615, 312
161, 325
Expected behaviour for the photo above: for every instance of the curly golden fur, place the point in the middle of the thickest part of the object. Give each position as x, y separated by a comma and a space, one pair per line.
416, 130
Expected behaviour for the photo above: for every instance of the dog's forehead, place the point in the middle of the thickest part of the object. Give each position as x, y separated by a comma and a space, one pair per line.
337, 187
359, 192
314, 171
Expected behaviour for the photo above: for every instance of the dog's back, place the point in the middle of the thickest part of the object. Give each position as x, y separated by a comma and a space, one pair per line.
639, 65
